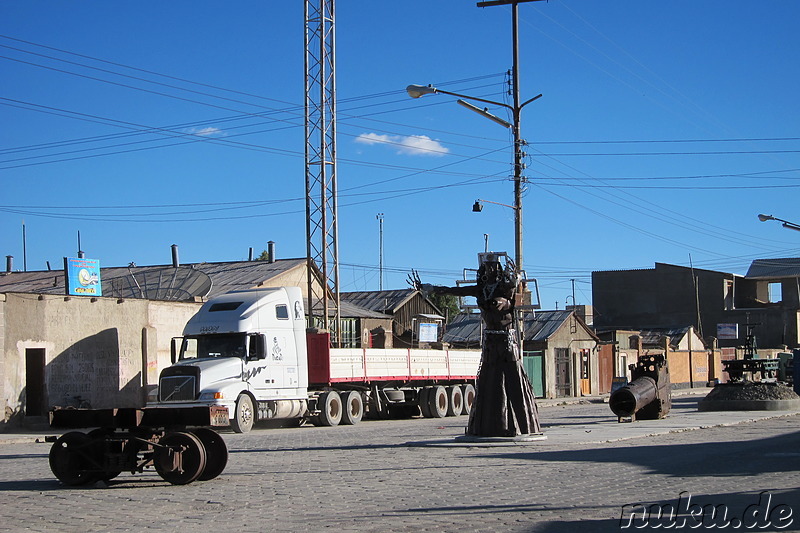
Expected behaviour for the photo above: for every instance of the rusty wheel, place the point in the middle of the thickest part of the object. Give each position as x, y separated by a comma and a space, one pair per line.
100, 444
180, 458
216, 452
71, 459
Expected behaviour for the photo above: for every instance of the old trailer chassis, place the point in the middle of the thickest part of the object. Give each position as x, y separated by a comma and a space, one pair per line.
132, 440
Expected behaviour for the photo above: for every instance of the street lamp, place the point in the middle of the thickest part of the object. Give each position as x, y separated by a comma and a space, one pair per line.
417, 91
785, 223
477, 207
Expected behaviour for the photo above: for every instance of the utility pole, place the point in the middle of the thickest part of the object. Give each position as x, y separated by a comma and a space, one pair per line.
574, 303
516, 113
24, 249
379, 216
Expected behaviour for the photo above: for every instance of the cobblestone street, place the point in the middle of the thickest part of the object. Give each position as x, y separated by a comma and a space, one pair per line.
407, 475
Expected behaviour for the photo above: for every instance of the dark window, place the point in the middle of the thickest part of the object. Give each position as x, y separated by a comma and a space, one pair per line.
282, 312
217, 345
224, 306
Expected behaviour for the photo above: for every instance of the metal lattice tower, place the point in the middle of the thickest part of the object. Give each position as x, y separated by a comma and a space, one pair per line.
320, 154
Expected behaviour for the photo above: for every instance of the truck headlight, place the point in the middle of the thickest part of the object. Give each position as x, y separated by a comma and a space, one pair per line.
211, 396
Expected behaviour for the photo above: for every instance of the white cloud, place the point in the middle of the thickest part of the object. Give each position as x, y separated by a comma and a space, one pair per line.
372, 138
406, 144
204, 132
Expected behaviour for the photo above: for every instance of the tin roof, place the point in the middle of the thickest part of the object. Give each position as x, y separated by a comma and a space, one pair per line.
539, 326
788, 267
464, 329
160, 281
165, 282
653, 337
381, 301
543, 324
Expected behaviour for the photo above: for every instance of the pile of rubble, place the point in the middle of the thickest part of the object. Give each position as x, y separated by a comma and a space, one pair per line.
750, 396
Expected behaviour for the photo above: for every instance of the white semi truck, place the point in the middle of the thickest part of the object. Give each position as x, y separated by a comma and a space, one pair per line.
250, 351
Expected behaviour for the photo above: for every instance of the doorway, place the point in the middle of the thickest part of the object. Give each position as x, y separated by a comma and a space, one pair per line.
35, 403
563, 373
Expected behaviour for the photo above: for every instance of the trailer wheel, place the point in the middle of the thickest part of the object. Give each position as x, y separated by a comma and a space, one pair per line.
455, 401
437, 402
180, 458
422, 402
244, 415
469, 398
216, 452
99, 437
71, 458
330, 408
353, 410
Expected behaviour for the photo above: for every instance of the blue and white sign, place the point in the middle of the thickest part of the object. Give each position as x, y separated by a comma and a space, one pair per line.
83, 276
728, 331
428, 332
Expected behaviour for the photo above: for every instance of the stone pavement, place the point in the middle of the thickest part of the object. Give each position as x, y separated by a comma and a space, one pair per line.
395, 475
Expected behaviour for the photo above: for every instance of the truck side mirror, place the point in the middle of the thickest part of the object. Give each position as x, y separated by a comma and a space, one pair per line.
173, 349
257, 349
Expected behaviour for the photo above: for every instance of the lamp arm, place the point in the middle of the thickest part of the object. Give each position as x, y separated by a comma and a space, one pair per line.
526, 102
492, 102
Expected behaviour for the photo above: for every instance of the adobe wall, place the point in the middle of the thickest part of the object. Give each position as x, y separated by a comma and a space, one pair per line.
105, 350
704, 365
575, 342
7, 411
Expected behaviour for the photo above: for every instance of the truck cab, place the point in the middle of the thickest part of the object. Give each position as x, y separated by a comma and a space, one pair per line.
245, 350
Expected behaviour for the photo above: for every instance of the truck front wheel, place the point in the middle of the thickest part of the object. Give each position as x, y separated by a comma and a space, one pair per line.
245, 414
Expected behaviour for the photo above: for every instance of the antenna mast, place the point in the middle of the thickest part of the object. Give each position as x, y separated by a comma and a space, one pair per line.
320, 158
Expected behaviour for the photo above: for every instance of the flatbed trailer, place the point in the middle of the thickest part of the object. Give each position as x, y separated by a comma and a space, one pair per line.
177, 442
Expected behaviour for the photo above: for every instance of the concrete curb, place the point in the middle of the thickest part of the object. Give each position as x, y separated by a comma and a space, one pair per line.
748, 405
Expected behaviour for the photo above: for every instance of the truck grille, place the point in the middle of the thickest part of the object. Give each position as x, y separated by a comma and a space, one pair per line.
177, 388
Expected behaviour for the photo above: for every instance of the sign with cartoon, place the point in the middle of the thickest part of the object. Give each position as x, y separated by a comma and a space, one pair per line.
82, 276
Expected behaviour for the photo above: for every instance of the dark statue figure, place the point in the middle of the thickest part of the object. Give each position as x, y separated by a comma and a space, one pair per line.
505, 405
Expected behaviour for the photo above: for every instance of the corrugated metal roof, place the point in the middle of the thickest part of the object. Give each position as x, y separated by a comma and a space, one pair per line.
381, 301
164, 282
788, 267
123, 281
466, 327
543, 325
653, 337
348, 310
48, 282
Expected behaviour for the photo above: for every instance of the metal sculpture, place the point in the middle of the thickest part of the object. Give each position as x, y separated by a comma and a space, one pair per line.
649, 394
505, 405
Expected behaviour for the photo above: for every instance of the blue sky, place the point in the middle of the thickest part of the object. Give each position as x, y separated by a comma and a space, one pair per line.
663, 130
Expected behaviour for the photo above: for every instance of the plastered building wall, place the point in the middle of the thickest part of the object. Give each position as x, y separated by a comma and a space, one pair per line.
105, 350
575, 342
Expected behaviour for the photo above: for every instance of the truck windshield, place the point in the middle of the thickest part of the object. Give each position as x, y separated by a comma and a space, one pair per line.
205, 346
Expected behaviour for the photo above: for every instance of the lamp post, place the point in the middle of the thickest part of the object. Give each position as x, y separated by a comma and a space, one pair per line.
417, 91
785, 223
